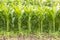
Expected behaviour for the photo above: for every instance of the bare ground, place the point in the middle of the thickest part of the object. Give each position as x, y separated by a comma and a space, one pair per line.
30, 37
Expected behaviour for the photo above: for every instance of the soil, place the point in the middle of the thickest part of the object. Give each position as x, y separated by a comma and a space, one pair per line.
30, 37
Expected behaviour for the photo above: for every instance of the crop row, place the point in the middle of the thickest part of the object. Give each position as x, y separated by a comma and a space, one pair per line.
29, 19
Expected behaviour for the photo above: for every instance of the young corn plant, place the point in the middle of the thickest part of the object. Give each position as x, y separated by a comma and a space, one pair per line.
34, 21
45, 26
28, 12
12, 28
41, 18
6, 16
17, 11
51, 17
49, 20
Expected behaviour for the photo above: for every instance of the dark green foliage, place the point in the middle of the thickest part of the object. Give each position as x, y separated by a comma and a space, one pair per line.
2, 22
24, 22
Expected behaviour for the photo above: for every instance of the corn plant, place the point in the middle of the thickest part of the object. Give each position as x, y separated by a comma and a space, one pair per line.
6, 14
49, 20
34, 21
28, 11
17, 11
41, 18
